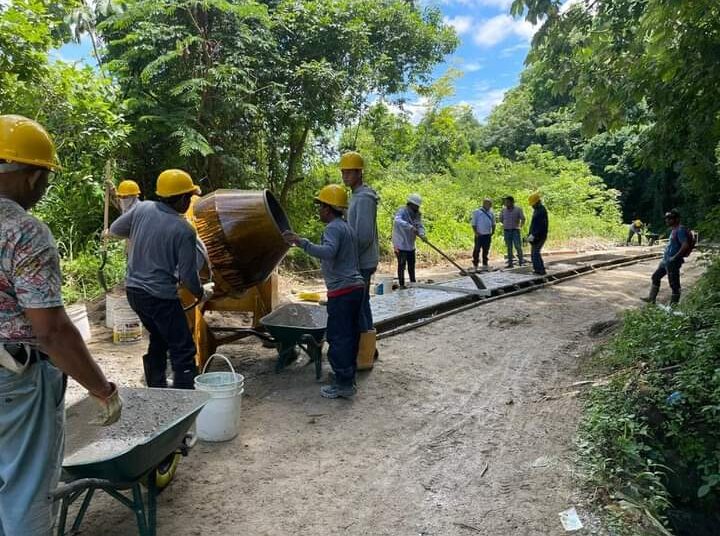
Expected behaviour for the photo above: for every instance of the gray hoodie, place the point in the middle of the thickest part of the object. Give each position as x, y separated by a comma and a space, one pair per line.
362, 217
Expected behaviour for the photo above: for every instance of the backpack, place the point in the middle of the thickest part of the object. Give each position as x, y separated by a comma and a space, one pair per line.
692, 241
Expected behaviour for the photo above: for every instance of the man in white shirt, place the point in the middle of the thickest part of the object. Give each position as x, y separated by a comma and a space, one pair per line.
483, 224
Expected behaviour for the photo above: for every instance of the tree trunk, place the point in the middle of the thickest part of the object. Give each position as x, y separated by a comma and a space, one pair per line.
298, 139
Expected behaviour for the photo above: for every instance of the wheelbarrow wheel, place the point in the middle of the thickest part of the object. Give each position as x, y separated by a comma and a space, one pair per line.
164, 473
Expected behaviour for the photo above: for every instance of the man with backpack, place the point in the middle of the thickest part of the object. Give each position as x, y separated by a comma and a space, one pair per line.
679, 246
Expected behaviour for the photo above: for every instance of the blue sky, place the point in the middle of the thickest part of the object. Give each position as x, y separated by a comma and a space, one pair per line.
492, 49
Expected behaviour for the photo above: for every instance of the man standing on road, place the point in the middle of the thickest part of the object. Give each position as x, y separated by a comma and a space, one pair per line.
38, 342
512, 220
678, 248
362, 218
538, 233
163, 254
483, 224
407, 226
345, 287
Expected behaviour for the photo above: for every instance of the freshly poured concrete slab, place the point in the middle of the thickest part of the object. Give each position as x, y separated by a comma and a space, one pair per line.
413, 301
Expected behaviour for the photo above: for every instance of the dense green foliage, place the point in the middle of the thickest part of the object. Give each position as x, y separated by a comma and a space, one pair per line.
651, 436
629, 86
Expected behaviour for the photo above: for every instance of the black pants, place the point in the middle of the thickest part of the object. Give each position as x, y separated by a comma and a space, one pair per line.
630, 237
406, 258
482, 242
343, 334
169, 333
672, 270
536, 255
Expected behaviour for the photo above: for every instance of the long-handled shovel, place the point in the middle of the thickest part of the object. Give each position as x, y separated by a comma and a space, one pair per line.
106, 224
475, 279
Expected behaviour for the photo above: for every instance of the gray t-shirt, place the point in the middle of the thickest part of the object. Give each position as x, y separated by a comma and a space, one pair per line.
162, 250
512, 218
362, 217
338, 255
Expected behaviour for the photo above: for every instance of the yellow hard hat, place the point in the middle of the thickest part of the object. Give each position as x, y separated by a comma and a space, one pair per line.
173, 182
334, 195
352, 160
128, 188
24, 141
533, 199
637, 223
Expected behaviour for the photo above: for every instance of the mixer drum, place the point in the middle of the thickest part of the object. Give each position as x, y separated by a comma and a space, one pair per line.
242, 231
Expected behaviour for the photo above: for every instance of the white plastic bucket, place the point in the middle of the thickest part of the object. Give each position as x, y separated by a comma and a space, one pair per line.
219, 420
79, 316
112, 302
127, 328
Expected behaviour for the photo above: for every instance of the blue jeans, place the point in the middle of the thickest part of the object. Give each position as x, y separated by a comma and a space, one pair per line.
169, 333
367, 319
343, 334
535, 255
512, 238
32, 424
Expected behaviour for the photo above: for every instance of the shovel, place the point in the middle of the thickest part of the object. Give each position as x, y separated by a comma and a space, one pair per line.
475, 279
106, 223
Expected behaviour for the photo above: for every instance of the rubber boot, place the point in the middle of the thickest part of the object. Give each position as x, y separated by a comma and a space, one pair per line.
674, 299
366, 350
653, 294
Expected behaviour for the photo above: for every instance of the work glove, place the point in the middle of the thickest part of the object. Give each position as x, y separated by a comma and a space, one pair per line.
208, 292
530, 238
110, 407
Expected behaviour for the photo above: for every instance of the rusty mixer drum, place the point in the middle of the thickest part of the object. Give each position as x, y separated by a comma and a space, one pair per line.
242, 231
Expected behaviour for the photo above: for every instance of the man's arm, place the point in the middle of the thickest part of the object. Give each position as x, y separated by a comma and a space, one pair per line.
59, 338
121, 227
402, 222
522, 217
329, 247
364, 226
188, 266
684, 245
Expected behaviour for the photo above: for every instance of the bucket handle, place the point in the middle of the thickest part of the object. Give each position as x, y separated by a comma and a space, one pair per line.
229, 364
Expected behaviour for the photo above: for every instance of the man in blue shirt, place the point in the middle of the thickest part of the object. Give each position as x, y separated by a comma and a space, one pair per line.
163, 254
673, 258
407, 226
483, 224
338, 254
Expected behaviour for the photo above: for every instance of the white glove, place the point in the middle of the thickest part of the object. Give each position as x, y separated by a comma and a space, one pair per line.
208, 291
530, 238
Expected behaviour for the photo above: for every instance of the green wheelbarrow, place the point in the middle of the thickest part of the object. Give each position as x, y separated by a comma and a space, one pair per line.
141, 450
297, 326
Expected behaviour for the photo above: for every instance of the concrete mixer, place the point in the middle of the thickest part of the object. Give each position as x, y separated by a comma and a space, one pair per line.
240, 239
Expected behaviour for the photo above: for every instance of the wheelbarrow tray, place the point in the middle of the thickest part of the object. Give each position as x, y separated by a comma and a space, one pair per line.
153, 425
290, 324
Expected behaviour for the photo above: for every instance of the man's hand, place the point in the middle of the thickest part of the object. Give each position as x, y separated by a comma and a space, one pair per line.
110, 405
291, 238
530, 238
208, 292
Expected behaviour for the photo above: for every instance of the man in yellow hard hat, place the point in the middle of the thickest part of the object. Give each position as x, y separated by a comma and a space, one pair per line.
126, 195
362, 217
538, 232
38, 342
635, 228
162, 255
338, 256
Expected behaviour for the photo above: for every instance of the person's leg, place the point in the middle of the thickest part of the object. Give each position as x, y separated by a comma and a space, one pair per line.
173, 326
476, 251
401, 260
656, 278
518, 246
673, 272
367, 319
629, 238
639, 239
155, 359
343, 337
536, 256
507, 233
32, 423
411, 265
485, 246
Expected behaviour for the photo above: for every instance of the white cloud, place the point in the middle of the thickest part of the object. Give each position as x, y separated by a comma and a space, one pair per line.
484, 104
461, 23
471, 67
509, 51
492, 31
500, 4
568, 4
414, 111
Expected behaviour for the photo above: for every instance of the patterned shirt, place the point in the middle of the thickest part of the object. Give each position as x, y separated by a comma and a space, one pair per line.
29, 271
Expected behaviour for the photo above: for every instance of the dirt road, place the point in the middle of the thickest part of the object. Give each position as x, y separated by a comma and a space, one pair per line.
464, 427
